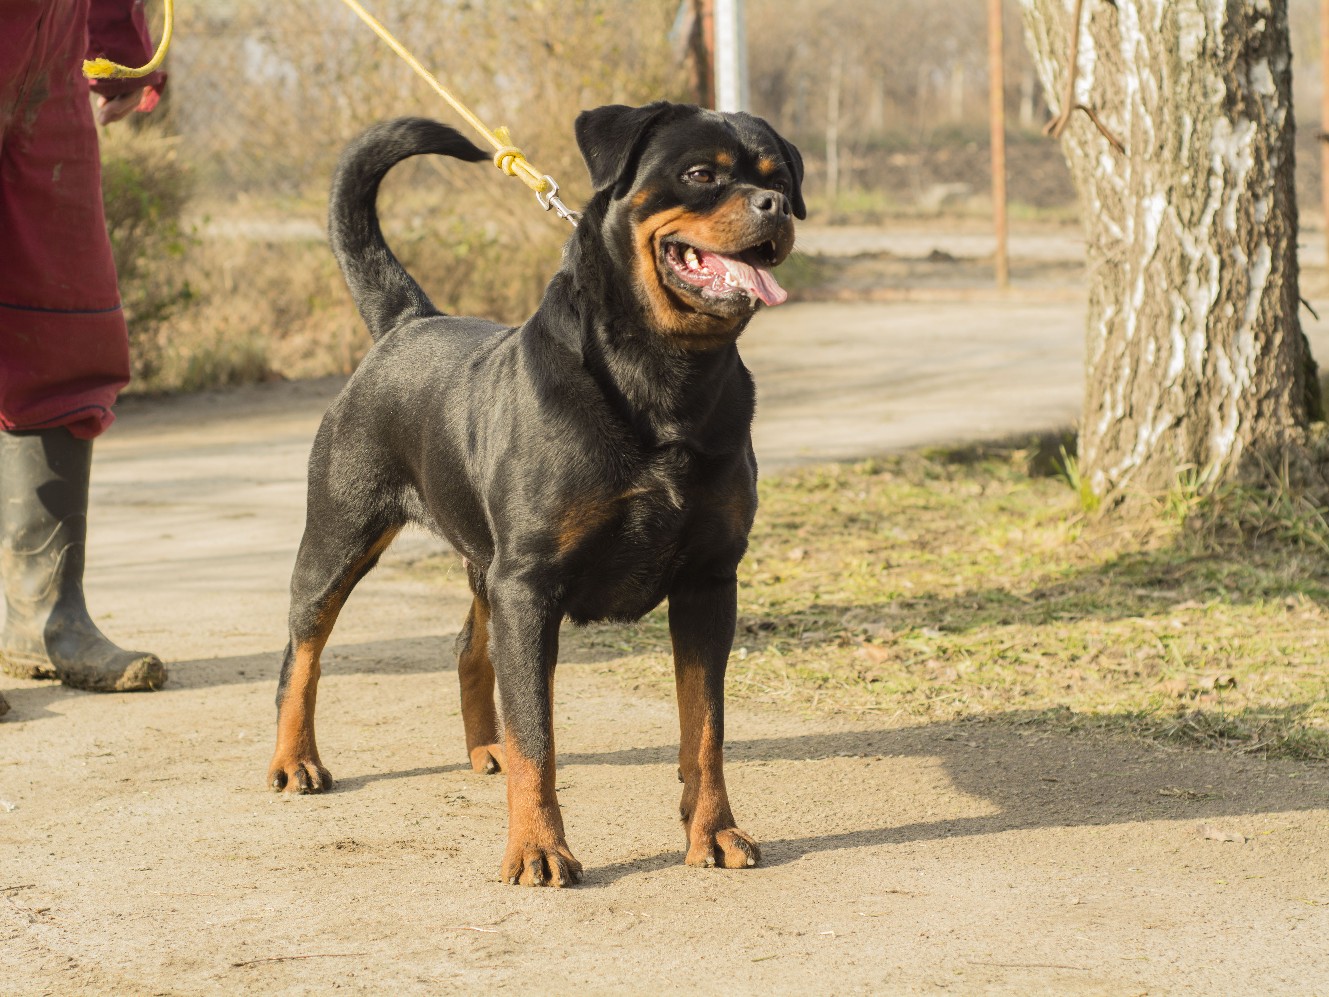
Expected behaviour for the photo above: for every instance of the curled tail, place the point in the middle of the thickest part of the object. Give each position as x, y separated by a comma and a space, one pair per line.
383, 291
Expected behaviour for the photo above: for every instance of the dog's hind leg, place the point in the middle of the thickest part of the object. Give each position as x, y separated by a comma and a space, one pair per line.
331, 560
701, 626
476, 674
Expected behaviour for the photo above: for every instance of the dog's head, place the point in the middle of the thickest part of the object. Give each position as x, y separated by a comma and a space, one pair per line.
703, 205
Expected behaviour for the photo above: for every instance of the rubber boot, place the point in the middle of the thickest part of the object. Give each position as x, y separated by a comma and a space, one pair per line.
43, 529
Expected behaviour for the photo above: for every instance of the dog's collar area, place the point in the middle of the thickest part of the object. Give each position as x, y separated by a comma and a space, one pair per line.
721, 275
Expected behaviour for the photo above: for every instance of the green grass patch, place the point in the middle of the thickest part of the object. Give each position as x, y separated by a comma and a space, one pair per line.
952, 584
936, 587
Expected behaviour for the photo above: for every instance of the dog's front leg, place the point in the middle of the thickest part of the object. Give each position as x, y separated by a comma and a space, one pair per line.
525, 650
701, 625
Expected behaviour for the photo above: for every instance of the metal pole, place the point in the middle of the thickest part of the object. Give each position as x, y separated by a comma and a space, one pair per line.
731, 57
997, 121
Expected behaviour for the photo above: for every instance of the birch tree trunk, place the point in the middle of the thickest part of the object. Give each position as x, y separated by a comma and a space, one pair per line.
1195, 356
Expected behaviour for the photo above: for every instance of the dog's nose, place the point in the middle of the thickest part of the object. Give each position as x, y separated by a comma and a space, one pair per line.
770, 204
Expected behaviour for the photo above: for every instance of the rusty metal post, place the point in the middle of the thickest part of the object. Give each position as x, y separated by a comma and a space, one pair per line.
707, 9
997, 122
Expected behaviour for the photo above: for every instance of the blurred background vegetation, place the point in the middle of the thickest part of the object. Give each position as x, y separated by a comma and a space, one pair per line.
216, 200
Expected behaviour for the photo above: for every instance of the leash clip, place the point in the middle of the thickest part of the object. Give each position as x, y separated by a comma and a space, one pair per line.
550, 199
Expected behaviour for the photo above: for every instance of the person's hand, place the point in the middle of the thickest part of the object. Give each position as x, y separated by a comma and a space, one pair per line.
111, 109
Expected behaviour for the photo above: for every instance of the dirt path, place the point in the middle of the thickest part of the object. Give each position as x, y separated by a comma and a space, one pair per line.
139, 852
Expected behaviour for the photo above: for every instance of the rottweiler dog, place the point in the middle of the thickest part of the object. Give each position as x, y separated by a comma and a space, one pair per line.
587, 464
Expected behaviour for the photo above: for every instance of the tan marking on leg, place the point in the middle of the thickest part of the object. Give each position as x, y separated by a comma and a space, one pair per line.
537, 852
478, 713
700, 757
708, 820
295, 764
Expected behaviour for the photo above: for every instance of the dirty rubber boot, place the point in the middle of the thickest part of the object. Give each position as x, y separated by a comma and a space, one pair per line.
43, 527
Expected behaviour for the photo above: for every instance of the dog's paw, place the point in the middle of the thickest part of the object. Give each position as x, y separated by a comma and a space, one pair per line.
298, 775
489, 759
529, 864
727, 847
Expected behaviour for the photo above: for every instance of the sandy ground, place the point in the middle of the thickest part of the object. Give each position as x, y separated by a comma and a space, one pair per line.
140, 852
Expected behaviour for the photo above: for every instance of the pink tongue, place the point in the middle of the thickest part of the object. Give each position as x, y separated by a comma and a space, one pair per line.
758, 280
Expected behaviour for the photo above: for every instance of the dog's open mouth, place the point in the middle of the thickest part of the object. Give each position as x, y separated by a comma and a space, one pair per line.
718, 275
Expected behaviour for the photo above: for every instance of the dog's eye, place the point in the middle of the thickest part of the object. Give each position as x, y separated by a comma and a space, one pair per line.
780, 187
701, 175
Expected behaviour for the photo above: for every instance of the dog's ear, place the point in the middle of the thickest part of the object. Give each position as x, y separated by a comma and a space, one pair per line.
610, 138
794, 159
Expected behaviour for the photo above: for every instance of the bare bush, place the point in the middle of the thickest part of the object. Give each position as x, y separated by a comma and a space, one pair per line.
145, 187
263, 99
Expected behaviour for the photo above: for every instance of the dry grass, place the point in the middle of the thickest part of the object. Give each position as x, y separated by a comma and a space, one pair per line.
247, 310
256, 155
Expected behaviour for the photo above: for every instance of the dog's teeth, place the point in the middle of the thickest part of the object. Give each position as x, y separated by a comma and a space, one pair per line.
690, 258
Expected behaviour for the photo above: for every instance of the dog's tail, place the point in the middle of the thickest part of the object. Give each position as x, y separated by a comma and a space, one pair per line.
383, 291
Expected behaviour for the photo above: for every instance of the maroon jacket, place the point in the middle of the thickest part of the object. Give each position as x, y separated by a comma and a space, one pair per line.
64, 349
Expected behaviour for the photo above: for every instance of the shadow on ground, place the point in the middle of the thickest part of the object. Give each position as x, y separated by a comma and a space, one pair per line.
1031, 777
1033, 780
404, 656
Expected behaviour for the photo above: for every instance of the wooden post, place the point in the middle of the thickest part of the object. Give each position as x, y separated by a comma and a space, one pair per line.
997, 122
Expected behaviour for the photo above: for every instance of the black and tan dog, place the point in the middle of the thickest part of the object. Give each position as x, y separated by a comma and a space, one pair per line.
587, 464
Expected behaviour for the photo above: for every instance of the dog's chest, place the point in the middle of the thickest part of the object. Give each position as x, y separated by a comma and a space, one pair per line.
623, 554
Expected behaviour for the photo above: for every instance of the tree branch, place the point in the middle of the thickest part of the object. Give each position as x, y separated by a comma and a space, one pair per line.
1058, 124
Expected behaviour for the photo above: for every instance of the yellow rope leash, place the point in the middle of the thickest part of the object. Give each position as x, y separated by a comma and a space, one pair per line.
105, 69
507, 157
